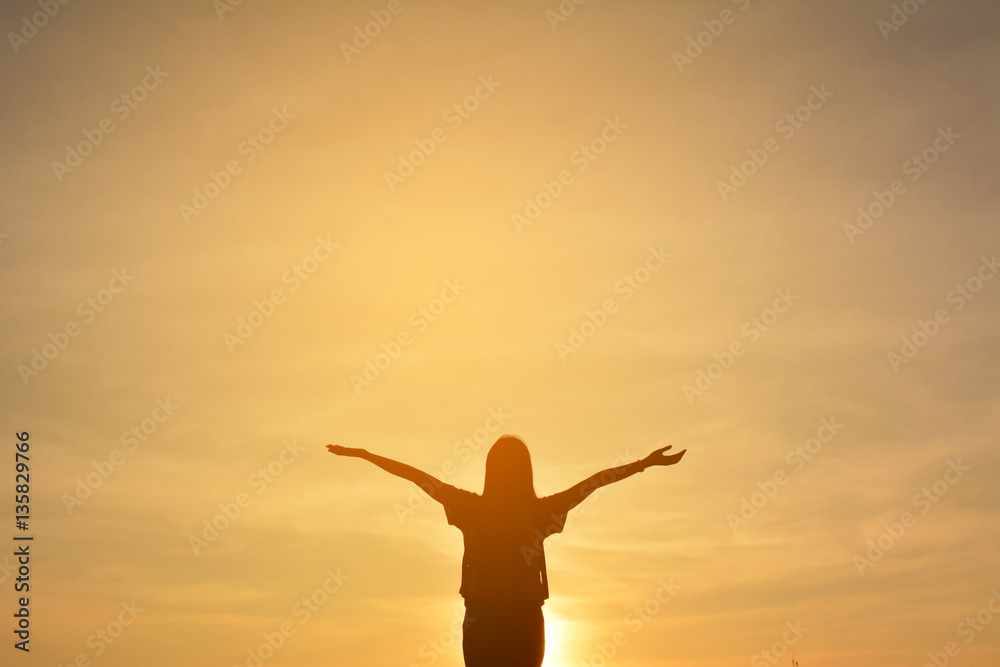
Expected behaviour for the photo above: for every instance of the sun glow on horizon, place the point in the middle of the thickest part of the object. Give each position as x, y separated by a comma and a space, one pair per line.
559, 636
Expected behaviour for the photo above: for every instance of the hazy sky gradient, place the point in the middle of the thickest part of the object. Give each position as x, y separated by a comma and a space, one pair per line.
495, 347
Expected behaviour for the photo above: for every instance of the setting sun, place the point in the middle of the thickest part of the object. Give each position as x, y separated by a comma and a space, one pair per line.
559, 637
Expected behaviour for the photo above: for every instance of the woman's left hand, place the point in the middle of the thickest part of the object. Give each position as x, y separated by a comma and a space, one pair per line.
659, 458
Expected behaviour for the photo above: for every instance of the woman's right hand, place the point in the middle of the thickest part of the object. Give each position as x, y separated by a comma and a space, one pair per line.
340, 450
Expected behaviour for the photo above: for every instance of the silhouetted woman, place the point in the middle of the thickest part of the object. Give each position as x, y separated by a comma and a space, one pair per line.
504, 581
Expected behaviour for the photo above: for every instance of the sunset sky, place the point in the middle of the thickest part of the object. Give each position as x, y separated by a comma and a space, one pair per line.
766, 232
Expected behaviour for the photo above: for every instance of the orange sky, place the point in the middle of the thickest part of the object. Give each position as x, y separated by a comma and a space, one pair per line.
230, 238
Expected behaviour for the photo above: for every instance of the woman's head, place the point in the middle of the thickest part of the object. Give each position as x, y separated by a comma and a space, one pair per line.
508, 470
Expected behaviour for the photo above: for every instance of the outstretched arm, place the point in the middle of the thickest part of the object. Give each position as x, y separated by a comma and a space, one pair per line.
579, 492
428, 483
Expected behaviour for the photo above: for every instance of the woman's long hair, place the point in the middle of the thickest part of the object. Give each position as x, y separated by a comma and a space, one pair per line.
508, 471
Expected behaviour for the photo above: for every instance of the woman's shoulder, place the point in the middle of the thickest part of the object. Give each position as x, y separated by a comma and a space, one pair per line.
556, 499
452, 496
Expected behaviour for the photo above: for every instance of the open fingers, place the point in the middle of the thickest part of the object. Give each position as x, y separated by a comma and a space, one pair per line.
660, 454
676, 457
